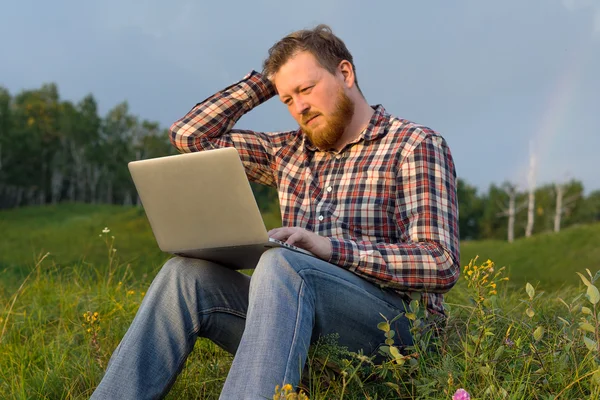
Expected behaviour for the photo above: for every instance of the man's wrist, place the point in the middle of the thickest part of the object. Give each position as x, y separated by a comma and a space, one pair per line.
259, 86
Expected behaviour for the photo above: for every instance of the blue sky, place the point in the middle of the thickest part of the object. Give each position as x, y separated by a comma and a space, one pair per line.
491, 77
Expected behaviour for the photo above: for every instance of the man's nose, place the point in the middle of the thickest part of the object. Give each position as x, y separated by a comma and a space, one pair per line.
301, 106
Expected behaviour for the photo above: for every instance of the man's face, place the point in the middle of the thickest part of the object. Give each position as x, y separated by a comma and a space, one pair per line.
315, 98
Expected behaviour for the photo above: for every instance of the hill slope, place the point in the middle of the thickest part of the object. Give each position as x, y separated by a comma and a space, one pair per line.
70, 232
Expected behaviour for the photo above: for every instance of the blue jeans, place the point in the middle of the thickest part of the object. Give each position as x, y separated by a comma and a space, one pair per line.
268, 321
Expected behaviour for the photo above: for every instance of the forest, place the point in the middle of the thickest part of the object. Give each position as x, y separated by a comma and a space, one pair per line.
54, 150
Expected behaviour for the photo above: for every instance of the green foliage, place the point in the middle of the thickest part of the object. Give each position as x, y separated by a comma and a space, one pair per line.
53, 150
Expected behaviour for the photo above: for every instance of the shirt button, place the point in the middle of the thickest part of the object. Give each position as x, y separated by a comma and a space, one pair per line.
329, 189
321, 218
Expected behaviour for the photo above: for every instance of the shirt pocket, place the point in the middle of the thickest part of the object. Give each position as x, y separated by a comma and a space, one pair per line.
368, 211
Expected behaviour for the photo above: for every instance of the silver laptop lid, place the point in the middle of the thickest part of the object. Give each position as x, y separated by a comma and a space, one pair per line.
198, 200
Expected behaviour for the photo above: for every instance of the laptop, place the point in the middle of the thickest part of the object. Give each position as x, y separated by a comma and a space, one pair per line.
201, 205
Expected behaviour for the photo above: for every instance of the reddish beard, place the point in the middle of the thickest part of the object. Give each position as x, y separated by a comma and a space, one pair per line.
324, 138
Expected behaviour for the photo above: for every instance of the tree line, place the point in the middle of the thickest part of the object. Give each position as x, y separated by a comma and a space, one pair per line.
54, 150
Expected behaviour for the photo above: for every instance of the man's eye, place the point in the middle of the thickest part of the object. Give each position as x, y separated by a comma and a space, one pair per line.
306, 89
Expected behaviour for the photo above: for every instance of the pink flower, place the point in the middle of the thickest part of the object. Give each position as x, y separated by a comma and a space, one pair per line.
461, 394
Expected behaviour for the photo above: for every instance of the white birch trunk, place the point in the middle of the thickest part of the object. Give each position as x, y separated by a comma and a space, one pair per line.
127, 198
560, 191
94, 173
19, 196
56, 182
531, 197
41, 198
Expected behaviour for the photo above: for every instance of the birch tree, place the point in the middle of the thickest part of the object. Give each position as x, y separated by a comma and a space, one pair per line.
531, 192
511, 209
563, 204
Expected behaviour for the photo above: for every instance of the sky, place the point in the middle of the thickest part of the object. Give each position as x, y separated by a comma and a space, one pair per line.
499, 80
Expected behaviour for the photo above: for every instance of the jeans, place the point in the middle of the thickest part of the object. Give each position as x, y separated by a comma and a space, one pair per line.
268, 321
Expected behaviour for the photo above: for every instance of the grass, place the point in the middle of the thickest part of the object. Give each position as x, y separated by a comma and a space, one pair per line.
534, 343
548, 258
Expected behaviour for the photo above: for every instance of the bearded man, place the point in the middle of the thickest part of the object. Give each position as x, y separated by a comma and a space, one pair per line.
371, 195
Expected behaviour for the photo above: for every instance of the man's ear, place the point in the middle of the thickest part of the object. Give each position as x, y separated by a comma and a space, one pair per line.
347, 73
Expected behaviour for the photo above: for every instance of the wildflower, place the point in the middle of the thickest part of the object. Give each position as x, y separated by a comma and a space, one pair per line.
105, 230
509, 342
130, 292
461, 394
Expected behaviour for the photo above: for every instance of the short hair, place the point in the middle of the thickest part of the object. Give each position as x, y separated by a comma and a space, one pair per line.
328, 49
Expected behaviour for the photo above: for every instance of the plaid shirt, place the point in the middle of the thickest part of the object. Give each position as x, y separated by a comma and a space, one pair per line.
387, 201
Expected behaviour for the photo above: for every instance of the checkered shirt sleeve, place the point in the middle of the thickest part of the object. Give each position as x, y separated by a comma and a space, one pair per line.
210, 124
427, 257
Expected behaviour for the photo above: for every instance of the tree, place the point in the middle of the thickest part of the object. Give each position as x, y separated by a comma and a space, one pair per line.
589, 211
511, 209
116, 141
470, 210
531, 192
36, 136
566, 196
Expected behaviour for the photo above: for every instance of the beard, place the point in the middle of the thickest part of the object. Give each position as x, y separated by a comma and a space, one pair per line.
326, 136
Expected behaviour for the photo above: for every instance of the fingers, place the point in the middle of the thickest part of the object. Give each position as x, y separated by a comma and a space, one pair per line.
294, 236
296, 239
281, 233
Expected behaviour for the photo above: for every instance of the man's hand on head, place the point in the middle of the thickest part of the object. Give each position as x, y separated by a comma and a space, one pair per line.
307, 240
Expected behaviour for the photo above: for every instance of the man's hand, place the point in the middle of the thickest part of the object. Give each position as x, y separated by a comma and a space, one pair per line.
307, 240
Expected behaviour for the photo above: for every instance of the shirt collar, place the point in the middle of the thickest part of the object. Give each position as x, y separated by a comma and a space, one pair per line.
377, 127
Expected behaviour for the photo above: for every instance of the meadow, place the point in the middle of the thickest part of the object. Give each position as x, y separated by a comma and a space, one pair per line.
523, 319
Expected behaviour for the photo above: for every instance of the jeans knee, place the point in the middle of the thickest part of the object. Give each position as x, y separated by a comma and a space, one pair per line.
178, 270
173, 267
271, 260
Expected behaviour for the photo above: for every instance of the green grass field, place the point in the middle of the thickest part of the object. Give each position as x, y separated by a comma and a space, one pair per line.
517, 344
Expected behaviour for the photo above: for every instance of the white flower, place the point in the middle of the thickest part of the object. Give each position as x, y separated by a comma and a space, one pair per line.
105, 230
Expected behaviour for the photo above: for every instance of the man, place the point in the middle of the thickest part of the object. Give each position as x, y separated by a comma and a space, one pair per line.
371, 195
